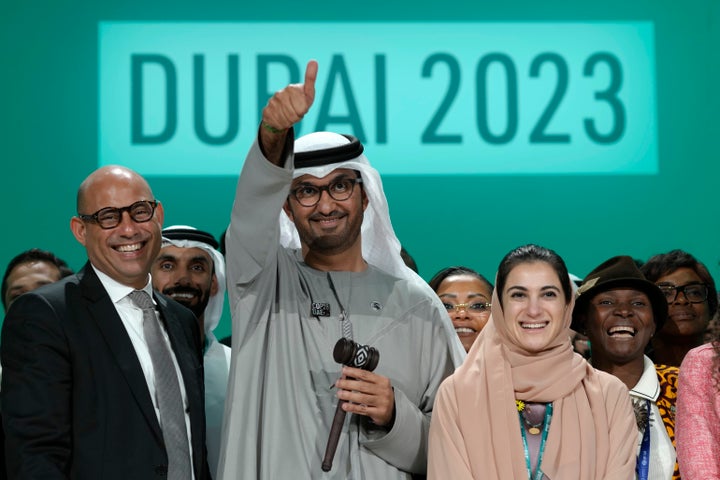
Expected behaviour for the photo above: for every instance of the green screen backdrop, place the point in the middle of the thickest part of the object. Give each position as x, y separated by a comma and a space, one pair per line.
589, 128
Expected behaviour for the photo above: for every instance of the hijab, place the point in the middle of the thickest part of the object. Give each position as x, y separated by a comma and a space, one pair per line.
498, 371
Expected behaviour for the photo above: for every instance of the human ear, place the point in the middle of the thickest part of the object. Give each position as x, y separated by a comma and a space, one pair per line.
288, 211
78, 229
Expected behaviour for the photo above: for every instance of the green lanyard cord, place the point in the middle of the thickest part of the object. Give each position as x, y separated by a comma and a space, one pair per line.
546, 427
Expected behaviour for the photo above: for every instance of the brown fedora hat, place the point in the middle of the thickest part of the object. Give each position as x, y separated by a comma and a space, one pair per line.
617, 272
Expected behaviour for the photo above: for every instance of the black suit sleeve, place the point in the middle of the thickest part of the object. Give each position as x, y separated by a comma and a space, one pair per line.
36, 391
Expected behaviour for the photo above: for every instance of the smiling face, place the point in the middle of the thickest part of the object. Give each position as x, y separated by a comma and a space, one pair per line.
534, 306
684, 318
186, 275
471, 292
331, 226
619, 325
126, 252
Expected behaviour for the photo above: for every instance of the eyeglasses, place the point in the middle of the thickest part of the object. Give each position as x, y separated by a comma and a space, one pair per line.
110, 217
694, 292
309, 195
478, 308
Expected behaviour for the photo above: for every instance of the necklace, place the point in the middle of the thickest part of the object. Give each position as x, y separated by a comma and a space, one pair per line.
642, 414
533, 416
538, 473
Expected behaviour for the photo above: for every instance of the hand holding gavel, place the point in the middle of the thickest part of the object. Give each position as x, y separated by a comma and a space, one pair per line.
357, 356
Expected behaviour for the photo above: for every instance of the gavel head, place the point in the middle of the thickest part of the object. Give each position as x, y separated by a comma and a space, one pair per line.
355, 355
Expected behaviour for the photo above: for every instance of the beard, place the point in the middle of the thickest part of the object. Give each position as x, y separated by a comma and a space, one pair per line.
202, 299
336, 241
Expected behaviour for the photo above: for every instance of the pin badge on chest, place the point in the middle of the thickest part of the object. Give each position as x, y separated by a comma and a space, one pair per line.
318, 309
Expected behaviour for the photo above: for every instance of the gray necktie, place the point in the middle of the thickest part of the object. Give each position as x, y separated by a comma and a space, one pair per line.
167, 389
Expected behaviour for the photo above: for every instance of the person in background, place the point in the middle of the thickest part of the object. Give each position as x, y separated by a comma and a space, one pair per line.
580, 342
466, 296
408, 259
191, 271
25, 272
102, 377
698, 413
713, 329
620, 311
692, 300
523, 404
29, 270
312, 259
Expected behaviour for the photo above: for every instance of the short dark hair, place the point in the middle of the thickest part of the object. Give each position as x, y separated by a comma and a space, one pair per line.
529, 254
436, 280
666, 263
33, 255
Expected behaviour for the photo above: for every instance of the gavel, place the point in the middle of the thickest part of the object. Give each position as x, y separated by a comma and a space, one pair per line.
355, 355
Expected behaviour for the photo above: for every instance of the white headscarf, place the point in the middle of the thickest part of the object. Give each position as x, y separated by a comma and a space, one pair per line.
214, 308
380, 245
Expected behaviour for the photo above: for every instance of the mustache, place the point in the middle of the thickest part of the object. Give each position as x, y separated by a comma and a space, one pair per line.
329, 216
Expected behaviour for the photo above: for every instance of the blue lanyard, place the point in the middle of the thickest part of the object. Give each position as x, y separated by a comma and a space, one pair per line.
546, 427
642, 468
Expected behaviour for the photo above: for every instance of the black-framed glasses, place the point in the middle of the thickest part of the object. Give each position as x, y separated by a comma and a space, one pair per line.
110, 217
478, 308
308, 195
694, 292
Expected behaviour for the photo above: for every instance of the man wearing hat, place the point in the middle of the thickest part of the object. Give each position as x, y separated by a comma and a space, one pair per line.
312, 258
619, 310
191, 270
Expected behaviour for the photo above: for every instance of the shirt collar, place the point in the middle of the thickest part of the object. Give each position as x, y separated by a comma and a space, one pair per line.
116, 290
648, 386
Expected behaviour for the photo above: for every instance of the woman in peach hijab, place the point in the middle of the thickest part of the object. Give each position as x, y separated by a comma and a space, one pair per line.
523, 404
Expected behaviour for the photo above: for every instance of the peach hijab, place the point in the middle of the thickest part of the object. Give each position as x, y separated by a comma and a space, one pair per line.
475, 430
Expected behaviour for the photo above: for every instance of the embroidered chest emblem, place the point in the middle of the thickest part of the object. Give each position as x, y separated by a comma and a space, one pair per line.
318, 309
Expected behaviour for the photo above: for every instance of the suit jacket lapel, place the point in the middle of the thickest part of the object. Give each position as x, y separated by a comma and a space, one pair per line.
108, 321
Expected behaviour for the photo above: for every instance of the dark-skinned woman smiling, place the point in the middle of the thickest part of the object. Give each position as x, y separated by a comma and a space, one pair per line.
620, 311
692, 301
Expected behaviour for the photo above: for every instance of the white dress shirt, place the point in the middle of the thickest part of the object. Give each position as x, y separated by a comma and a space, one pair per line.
132, 319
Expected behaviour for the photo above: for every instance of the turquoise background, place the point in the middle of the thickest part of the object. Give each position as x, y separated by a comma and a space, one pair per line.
49, 139
416, 101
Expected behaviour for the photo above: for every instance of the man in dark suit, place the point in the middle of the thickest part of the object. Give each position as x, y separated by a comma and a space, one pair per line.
27, 271
83, 394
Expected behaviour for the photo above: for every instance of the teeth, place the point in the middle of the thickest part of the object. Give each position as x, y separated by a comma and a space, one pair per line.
533, 325
128, 248
183, 295
622, 330
464, 330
